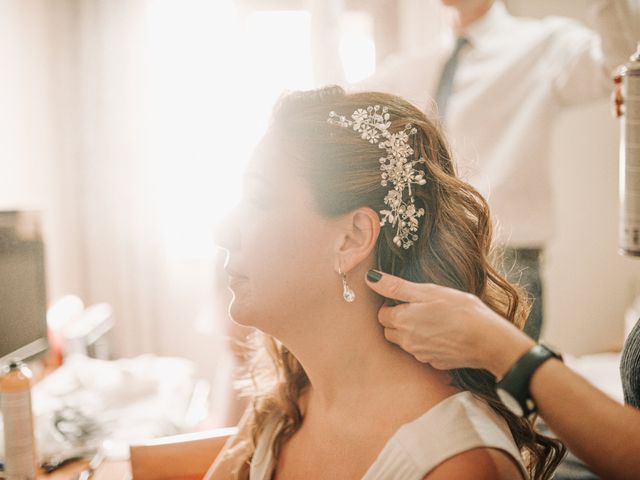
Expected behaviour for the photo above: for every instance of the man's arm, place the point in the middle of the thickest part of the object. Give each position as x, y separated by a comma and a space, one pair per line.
582, 61
617, 25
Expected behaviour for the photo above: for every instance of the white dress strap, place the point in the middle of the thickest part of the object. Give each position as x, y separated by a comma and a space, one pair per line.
262, 464
457, 424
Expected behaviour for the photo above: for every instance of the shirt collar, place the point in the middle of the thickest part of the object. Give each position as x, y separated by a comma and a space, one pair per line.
495, 17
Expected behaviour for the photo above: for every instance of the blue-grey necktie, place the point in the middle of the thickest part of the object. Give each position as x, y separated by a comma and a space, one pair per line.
446, 79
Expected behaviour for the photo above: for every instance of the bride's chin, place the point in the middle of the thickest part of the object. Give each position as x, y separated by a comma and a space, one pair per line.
236, 313
240, 313
250, 316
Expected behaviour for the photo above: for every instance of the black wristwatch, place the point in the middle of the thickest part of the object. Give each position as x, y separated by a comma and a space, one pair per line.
513, 388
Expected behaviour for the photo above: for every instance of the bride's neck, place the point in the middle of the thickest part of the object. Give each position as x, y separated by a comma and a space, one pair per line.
346, 355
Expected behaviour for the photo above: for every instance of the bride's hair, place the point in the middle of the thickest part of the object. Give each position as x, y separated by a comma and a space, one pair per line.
453, 249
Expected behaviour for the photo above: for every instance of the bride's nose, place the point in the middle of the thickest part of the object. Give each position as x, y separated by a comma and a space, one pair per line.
226, 233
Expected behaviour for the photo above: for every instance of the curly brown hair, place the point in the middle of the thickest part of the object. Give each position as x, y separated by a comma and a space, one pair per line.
453, 249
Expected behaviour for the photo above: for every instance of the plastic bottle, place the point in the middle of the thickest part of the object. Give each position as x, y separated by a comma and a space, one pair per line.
19, 441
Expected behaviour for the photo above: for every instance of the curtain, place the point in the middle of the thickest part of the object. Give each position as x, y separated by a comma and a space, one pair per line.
156, 107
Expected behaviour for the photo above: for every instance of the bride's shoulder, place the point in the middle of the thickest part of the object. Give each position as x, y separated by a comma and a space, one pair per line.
469, 432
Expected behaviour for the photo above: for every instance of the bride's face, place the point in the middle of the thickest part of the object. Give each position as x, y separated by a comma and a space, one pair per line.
280, 261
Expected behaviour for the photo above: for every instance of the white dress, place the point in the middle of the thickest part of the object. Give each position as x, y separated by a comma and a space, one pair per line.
459, 423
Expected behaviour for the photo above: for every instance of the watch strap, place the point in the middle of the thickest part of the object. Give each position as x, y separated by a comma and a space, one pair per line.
516, 381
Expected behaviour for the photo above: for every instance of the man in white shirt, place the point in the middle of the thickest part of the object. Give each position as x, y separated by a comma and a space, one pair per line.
497, 84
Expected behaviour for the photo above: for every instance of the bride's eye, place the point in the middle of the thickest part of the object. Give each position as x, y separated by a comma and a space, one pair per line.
258, 200
255, 193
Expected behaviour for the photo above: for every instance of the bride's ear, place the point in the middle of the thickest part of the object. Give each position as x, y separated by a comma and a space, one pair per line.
358, 238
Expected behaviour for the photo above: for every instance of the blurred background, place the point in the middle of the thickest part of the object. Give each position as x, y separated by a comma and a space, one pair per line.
127, 124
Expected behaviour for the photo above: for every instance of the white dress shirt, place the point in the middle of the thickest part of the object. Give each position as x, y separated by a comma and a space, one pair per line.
512, 80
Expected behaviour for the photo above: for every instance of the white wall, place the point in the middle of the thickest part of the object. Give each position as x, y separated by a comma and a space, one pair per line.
25, 113
588, 284
36, 115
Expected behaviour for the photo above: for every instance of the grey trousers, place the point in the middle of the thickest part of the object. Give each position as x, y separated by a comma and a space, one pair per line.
522, 266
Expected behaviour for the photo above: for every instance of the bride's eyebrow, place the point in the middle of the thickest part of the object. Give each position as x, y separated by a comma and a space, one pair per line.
254, 175
251, 178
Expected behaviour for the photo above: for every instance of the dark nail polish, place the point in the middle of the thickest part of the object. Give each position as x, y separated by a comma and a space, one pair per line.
373, 276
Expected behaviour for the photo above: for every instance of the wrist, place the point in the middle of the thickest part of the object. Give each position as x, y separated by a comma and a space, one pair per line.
514, 388
508, 349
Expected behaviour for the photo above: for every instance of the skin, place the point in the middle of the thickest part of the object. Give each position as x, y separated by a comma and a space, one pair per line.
283, 266
449, 329
466, 12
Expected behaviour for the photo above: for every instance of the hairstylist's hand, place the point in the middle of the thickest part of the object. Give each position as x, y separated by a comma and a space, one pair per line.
447, 328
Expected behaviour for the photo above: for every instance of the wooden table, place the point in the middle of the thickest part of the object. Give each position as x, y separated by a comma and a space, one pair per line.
108, 470
183, 453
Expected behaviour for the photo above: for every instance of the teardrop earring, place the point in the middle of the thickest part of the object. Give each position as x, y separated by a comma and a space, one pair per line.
348, 294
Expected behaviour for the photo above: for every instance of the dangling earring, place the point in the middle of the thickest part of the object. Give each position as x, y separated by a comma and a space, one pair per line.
348, 294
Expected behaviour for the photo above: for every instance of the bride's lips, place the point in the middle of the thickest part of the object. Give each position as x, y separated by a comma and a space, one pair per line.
235, 277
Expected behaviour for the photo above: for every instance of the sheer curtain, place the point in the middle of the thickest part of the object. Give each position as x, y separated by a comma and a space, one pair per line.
156, 107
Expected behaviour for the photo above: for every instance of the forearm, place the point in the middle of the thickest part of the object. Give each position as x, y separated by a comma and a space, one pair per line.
583, 60
601, 432
457, 330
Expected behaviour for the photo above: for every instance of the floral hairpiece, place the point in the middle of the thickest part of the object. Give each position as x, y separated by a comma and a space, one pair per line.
373, 125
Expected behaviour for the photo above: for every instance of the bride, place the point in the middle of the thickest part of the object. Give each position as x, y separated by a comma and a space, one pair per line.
343, 185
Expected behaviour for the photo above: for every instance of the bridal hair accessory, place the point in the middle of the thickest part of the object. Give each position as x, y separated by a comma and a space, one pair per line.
397, 170
348, 294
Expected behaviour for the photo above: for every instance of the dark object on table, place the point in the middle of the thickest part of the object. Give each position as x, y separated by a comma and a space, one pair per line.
54, 464
23, 298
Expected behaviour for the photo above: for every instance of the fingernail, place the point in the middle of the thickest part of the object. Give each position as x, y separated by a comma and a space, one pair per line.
373, 276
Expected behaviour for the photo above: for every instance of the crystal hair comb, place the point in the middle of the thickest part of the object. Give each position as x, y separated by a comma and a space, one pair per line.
397, 170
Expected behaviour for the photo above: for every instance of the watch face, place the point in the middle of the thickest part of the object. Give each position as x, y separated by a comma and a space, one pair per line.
510, 402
